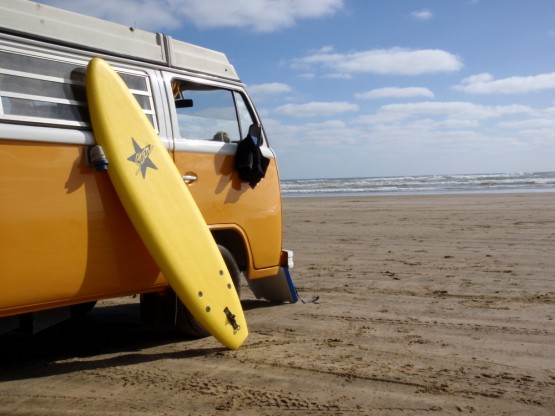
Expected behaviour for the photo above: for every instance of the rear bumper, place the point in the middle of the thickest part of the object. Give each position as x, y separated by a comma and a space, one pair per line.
286, 259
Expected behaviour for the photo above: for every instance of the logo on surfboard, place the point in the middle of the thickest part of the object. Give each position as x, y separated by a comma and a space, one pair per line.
141, 158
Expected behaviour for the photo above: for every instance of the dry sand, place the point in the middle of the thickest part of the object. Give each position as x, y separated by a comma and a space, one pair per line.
441, 304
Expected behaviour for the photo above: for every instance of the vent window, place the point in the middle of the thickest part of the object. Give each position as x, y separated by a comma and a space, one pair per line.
46, 91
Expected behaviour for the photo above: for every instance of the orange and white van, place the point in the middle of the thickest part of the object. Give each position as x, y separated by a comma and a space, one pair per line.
65, 240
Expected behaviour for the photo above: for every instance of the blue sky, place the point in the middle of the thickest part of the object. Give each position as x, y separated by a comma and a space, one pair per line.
355, 88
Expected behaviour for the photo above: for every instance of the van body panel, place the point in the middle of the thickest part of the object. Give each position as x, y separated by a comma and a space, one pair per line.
222, 196
65, 235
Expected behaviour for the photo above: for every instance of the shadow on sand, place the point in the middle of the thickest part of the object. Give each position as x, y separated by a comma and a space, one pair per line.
72, 346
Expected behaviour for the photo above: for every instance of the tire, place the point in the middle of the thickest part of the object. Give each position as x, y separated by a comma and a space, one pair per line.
185, 321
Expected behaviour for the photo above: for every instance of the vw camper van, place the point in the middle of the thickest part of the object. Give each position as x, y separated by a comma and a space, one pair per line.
66, 240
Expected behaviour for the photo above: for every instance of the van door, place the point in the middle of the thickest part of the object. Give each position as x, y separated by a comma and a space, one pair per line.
209, 119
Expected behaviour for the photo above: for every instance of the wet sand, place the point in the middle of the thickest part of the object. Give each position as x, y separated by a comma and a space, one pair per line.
441, 304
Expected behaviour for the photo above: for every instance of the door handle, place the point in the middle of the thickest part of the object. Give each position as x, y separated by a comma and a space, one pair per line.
189, 177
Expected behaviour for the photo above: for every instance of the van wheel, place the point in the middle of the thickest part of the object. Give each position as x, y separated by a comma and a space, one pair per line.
185, 321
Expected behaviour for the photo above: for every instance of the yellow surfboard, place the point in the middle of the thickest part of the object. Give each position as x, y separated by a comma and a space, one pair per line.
161, 207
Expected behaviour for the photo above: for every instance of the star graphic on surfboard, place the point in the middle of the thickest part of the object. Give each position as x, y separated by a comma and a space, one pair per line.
141, 157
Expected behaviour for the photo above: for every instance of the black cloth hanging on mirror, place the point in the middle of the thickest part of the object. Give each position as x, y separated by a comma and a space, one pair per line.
250, 163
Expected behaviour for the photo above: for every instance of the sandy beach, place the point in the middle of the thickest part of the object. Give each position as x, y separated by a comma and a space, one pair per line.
427, 304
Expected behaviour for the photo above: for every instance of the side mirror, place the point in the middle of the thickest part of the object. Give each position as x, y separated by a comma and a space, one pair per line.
183, 103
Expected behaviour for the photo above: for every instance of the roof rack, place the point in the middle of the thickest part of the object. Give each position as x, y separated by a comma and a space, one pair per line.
38, 21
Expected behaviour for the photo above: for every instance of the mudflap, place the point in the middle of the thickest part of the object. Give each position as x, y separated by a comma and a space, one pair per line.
278, 288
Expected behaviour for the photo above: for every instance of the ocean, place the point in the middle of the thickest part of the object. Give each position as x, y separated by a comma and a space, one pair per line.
421, 185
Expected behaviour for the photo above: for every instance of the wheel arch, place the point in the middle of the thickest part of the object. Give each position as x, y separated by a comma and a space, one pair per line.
234, 240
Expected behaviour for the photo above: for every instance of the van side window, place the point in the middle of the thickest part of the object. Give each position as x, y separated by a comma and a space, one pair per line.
209, 113
46, 91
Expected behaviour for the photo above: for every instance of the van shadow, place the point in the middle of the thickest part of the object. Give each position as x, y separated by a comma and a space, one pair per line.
73, 345
259, 304
82, 344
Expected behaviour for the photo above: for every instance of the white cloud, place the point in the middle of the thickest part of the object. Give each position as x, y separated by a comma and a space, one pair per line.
159, 15
529, 125
147, 14
453, 110
486, 84
396, 92
308, 75
259, 15
316, 109
417, 139
396, 61
422, 14
271, 88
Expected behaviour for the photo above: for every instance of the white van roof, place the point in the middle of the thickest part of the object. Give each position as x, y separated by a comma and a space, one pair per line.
68, 28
